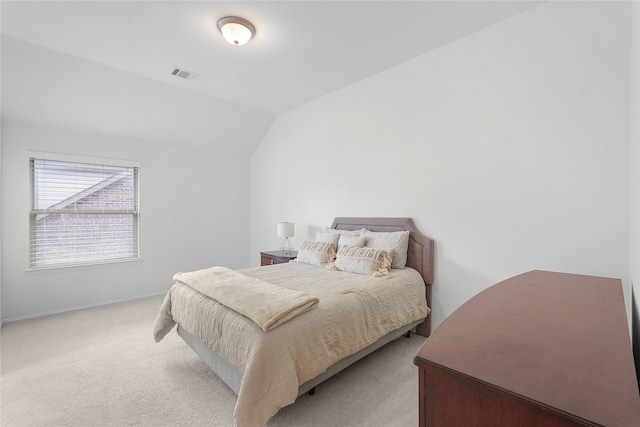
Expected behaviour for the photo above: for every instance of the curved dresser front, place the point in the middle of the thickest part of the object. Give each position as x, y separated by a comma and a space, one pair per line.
539, 349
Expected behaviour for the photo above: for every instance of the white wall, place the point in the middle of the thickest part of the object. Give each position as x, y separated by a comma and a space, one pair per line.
634, 196
0, 226
509, 147
194, 212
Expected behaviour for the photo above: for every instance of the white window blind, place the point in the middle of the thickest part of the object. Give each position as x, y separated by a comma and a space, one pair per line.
83, 213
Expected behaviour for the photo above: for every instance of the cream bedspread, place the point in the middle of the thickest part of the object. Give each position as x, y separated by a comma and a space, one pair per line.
353, 312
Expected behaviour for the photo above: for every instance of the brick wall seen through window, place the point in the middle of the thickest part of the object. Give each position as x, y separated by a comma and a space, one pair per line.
83, 213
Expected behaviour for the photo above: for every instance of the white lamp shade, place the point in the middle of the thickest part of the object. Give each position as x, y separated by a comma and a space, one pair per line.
286, 229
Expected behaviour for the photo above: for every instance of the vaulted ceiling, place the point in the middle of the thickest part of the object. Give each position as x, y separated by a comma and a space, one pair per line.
105, 66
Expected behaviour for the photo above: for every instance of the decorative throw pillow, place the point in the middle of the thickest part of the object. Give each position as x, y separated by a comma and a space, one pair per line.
396, 242
370, 261
316, 253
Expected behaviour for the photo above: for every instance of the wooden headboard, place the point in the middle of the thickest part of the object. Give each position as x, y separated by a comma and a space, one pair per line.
420, 251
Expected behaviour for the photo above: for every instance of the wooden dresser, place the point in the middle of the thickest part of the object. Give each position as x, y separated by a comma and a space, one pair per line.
539, 349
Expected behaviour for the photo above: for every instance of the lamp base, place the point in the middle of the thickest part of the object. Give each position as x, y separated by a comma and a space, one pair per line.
286, 247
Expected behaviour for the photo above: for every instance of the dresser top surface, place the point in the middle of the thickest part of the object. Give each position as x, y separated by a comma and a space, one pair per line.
280, 254
561, 340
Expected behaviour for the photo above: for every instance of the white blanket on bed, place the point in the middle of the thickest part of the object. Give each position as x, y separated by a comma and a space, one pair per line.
266, 304
354, 311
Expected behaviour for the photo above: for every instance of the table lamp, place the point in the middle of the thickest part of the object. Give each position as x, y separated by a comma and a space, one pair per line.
286, 230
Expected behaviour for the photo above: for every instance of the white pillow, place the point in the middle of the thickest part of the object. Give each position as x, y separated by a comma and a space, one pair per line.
316, 253
395, 242
327, 238
368, 261
345, 232
346, 240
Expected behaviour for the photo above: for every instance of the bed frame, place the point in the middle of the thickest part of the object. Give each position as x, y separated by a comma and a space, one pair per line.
419, 254
420, 258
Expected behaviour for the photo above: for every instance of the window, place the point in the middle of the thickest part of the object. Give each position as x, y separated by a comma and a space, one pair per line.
83, 212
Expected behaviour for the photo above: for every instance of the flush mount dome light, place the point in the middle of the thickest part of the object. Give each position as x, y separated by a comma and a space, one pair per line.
236, 31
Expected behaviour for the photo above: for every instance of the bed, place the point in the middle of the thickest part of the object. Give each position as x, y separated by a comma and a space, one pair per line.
268, 366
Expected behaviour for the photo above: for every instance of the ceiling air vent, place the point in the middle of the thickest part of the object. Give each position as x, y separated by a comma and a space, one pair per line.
184, 74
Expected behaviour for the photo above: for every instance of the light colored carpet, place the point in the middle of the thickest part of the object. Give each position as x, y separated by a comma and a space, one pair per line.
101, 367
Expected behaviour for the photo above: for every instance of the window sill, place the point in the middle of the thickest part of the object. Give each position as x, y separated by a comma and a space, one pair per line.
80, 267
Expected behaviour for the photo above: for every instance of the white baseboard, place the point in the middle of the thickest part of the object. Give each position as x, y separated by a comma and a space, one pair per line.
64, 310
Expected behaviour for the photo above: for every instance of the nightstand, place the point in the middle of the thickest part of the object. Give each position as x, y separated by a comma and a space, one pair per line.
276, 257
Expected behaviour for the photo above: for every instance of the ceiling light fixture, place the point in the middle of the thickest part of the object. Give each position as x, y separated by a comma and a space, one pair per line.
236, 31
